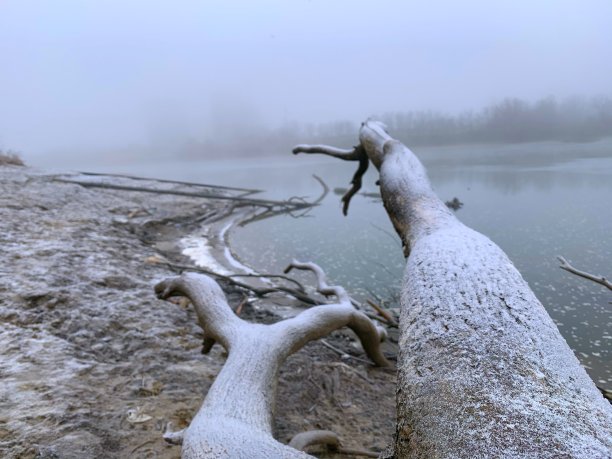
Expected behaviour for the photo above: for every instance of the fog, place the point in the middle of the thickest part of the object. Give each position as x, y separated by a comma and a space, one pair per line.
138, 79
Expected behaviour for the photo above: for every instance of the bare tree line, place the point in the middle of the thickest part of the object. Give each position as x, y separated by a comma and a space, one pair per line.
511, 120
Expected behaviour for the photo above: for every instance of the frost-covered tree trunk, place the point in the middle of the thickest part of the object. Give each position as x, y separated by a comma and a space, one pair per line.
483, 370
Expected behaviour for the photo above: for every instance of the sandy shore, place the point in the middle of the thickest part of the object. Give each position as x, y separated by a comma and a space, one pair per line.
93, 365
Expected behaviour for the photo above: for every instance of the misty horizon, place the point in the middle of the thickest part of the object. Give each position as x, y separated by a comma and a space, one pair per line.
148, 78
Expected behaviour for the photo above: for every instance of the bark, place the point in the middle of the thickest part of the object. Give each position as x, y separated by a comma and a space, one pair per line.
235, 420
483, 370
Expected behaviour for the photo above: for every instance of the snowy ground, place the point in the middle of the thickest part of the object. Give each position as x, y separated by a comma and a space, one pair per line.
93, 365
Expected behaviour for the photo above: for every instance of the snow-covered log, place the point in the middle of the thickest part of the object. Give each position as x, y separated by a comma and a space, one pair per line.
483, 370
235, 420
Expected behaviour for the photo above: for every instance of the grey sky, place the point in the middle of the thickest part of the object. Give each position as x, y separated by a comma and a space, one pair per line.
108, 74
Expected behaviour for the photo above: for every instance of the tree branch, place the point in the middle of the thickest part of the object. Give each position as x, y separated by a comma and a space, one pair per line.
345, 154
356, 182
358, 153
322, 286
598, 279
214, 314
319, 321
236, 416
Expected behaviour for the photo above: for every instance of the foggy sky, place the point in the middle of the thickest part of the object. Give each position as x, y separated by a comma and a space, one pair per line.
93, 75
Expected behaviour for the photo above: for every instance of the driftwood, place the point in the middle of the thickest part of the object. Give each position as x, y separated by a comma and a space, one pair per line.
290, 204
264, 208
483, 370
175, 182
235, 419
298, 291
592, 277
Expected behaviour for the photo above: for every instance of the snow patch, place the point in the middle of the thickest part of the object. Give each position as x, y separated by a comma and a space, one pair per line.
200, 251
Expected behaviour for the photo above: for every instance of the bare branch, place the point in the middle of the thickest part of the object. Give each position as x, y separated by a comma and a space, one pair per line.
325, 190
341, 353
598, 279
249, 201
215, 316
388, 317
236, 416
322, 286
175, 182
298, 293
356, 182
347, 155
319, 321
358, 153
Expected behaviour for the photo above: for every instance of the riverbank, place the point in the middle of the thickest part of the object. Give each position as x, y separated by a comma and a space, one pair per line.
93, 365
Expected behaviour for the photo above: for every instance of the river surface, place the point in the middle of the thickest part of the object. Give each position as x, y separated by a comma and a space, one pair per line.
535, 200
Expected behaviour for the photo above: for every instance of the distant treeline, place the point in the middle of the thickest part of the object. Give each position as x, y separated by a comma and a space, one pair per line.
509, 121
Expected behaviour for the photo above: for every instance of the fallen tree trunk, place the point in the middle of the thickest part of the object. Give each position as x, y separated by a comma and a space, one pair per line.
483, 370
235, 420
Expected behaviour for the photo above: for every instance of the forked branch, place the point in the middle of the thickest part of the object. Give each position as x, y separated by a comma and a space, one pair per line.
356, 154
236, 416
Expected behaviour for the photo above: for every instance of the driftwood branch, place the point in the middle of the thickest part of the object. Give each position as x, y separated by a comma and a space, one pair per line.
235, 419
595, 278
356, 154
299, 292
250, 201
175, 182
483, 370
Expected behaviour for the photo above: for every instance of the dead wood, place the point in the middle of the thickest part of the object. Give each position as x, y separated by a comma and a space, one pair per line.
299, 292
289, 204
235, 419
483, 370
356, 154
176, 182
592, 277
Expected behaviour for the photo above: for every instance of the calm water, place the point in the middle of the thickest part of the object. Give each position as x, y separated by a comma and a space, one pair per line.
536, 201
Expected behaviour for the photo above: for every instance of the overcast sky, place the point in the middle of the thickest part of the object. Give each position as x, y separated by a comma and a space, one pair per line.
112, 73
